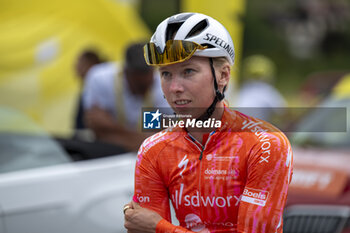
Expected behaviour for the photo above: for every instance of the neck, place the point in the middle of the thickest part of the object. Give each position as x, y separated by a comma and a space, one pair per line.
198, 133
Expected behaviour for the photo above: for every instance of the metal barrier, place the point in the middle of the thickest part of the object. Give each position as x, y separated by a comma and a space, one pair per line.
315, 218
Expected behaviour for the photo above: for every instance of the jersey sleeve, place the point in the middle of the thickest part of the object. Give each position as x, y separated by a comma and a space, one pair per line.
150, 191
268, 177
166, 227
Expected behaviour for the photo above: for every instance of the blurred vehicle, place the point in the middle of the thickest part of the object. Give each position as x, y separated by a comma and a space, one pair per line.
62, 185
45, 189
321, 147
321, 177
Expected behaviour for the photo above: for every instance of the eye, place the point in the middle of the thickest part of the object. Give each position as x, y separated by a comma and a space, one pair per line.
188, 71
165, 74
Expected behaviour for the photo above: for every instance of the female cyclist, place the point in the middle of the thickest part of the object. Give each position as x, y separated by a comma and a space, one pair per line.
231, 177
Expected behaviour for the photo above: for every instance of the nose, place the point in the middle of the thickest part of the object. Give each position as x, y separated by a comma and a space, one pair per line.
176, 85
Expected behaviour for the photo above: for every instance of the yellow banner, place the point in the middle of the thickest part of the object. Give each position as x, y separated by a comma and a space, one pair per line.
39, 43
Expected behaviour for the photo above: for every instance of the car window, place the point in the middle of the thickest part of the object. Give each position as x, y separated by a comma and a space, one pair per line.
20, 152
24, 145
336, 124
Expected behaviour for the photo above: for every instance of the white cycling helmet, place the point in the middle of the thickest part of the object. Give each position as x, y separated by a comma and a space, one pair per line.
181, 36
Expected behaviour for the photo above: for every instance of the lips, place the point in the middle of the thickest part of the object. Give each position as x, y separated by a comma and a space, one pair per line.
182, 102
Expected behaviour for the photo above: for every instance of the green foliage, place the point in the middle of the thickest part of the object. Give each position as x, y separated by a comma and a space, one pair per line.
265, 34
154, 11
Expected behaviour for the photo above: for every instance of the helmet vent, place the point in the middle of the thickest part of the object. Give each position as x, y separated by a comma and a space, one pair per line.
179, 18
171, 30
198, 28
210, 46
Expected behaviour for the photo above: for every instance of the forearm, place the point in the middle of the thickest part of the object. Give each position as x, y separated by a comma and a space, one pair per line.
102, 122
164, 226
139, 219
107, 129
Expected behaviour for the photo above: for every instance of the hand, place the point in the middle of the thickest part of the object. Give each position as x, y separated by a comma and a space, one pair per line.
97, 114
138, 219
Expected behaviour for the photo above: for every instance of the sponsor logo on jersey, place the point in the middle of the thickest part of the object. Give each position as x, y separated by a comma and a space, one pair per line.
264, 138
197, 200
217, 157
255, 196
209, 157
151, 141
143, 199
194, 223
183, 164
230, 172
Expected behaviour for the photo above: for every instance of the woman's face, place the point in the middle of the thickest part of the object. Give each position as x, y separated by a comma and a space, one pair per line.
188, 86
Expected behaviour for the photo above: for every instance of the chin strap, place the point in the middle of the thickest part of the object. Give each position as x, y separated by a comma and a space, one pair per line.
218, 96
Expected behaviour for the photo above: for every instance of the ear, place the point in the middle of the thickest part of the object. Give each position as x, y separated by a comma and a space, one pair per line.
223, 77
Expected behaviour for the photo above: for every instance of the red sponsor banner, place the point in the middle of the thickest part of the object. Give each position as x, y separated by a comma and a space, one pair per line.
316, 180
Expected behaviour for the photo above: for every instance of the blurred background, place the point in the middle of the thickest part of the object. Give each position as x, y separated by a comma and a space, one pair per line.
307, 40
303, 49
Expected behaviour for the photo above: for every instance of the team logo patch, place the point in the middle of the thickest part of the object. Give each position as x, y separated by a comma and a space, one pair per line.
209, 157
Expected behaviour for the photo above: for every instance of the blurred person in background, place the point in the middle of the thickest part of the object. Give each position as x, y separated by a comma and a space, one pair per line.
85, 61
257, 96
114, 95
232, 177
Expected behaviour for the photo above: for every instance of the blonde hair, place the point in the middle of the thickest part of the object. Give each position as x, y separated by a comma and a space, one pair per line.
218, 62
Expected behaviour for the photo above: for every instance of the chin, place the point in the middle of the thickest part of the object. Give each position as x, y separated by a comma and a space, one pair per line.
182, 111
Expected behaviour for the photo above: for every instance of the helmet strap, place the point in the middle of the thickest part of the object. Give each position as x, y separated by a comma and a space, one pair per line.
218, 95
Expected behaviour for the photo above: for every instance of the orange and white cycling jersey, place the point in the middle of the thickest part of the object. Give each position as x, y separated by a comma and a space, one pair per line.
236, 182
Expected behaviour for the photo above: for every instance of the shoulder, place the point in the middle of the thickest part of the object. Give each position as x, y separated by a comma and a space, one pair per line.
266, 144
157, 142
103, 71
259, 131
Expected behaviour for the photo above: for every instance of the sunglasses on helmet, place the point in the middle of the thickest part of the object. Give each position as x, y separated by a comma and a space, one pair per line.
175, 51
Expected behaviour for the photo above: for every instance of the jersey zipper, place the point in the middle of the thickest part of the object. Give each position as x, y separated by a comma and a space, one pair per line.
201, 148
200, 181
201, 155
200, 172
200, 166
